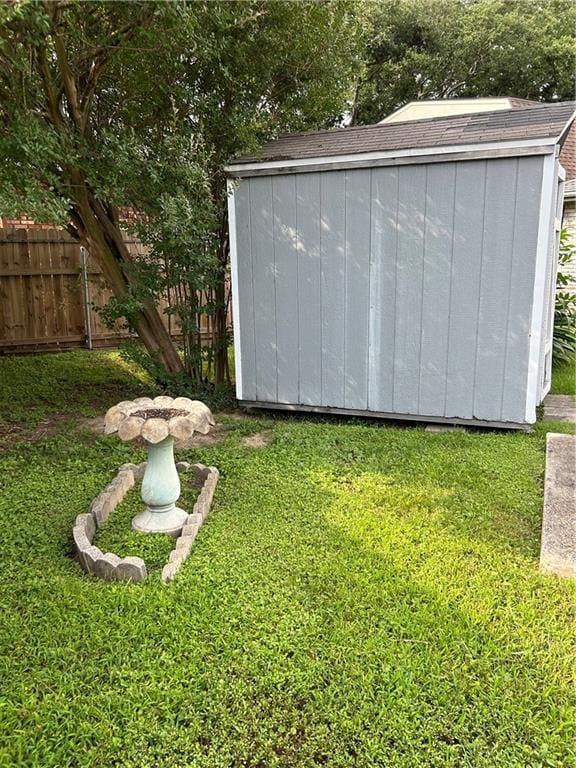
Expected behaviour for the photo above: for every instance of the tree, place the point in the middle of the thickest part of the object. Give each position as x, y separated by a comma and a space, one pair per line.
430, 49
105, 105
71, 105
270, 68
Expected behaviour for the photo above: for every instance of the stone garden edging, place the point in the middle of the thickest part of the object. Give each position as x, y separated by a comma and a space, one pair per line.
109, 566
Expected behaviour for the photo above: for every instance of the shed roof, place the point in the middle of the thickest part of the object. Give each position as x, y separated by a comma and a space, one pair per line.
545, 121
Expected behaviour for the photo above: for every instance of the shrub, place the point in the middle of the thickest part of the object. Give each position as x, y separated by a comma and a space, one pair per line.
564, 346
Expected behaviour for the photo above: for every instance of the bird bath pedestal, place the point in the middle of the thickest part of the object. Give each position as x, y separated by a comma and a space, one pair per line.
159, 422
160, 492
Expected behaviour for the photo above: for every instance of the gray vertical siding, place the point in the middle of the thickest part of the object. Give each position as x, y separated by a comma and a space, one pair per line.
522, 265
333, 286
286, 287
436, 293
246, 290
465, 286
264, 286
401, 290
357, 289
409, 265
384, 251
309, 289
495, 281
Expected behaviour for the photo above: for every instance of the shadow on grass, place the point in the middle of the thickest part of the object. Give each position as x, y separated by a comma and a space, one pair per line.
326, 615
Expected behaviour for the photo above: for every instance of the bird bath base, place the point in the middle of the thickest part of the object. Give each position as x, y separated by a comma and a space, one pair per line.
170, 520
160, 492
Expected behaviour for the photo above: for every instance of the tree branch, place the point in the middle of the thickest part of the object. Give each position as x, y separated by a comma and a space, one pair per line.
49, 89
99, 58
53, 9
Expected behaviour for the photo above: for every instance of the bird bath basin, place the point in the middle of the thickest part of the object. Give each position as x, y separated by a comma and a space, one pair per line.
159, 422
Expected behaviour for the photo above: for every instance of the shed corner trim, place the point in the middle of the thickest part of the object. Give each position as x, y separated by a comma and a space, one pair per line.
230, 185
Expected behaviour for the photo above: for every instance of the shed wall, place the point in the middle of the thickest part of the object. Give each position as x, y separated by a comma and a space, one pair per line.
404, 290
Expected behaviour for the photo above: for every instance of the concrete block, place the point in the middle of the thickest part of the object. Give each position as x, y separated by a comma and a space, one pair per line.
560, 408
127, 479
131, 569
101, 508
444, 428
182, 466
129, 467
190, 531
201, 507
176, 557
81, 540
200, 473
136, 469
184, 545
89, 558
170, 570
139, 471
205, 478
194, 519
212, 481
558, 546
105, 566
86, 521
117, 489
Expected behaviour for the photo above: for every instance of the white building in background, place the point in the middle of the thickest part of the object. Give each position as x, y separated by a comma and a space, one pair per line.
569, 223
422, 110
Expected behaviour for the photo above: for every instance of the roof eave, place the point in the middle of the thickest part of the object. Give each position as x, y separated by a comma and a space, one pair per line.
388, 157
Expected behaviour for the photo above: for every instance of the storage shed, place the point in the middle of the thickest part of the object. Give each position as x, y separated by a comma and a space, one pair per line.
402, 270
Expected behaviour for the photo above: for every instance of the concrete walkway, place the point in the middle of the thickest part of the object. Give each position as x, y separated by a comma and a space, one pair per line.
558, 548
560, 408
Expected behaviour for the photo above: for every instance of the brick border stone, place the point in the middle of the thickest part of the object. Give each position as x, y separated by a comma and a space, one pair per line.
206, 480
110, 567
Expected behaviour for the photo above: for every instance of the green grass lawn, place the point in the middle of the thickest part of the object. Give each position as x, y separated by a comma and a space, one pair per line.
361, 595
74, 383
564, 378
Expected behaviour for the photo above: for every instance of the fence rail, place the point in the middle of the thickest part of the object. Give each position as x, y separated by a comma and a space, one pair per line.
49, 297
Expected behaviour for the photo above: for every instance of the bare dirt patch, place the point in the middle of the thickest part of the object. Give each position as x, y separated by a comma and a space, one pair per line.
93, 425
14, 434
259, 440
216, 435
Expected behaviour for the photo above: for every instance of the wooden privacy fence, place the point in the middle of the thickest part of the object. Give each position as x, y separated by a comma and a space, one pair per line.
50, 293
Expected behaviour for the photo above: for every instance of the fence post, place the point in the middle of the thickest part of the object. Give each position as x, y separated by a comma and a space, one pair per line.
86, 296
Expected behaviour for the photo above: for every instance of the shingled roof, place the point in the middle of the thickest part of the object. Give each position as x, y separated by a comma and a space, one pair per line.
545, 121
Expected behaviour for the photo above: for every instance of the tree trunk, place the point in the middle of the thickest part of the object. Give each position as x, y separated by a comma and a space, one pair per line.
221, 370
103, 239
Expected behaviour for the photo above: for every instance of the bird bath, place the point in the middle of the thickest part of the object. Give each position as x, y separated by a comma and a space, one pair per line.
159, 422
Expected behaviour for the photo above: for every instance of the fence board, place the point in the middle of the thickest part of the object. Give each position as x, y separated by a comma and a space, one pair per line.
43, 291
42, 299
59, 260
21, 290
